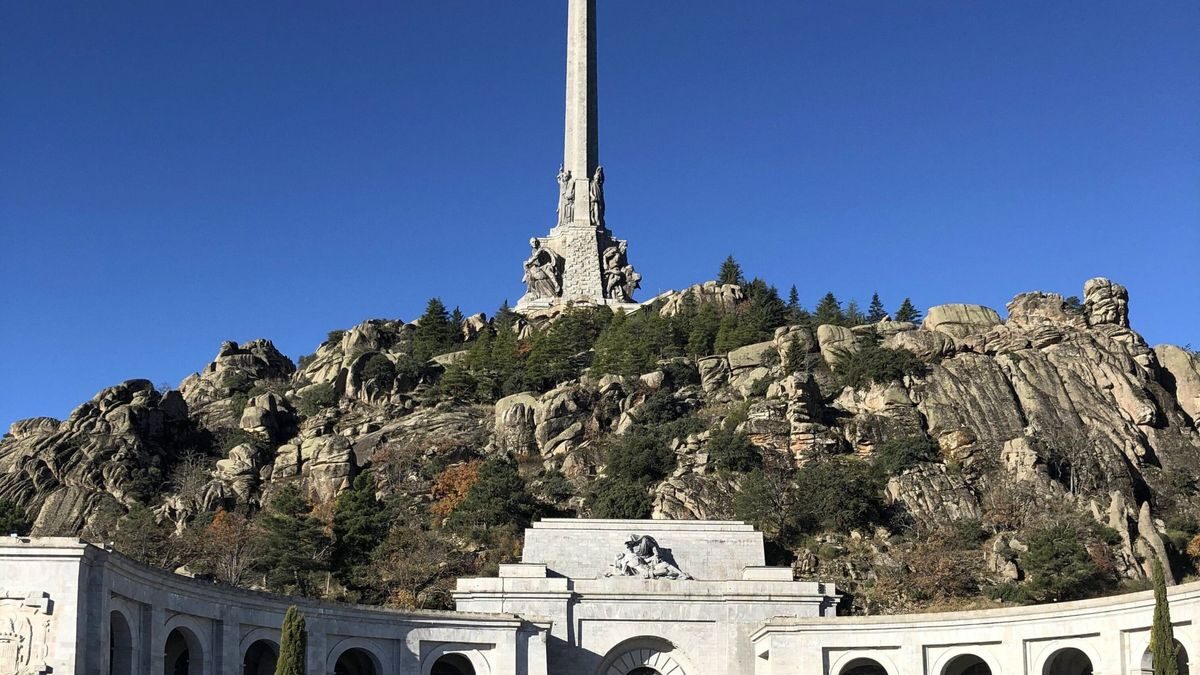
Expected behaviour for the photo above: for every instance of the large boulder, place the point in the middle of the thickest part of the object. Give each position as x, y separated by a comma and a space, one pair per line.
1183, 377
724, 296
960, 320
515, 424
1106, 302
835, 341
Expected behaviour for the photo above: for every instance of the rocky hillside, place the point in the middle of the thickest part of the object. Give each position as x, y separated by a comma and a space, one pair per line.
919, 465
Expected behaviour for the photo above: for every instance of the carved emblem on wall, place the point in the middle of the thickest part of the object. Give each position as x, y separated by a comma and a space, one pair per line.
643, 558
24, 632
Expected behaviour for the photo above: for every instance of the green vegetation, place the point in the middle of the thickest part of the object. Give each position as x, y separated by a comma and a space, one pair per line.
1162, 633
731, 273
360, 524
295, 546
907, 312
13, 519
1060, 566
897, 454
498, 498
730, 449
316, 398
874, 363
379, 369
293, 644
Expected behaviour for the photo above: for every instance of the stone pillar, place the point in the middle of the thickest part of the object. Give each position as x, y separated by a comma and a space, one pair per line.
581, 146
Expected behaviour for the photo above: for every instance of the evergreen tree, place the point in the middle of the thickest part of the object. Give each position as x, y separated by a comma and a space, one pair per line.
295, 545
360, 524
13, 519
703, 333
293, 643
829, 311
854, 315
435, 333
456, 319
1162, 634
726, 338
907, 312
731, 273
793, 302
561, 352
765, 312
796, 314
498, 497
875, 311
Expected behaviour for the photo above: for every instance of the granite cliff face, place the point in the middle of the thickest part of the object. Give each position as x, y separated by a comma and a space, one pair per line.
1060, 407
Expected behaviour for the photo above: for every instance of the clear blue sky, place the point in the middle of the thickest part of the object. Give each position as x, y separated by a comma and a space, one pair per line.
174, 174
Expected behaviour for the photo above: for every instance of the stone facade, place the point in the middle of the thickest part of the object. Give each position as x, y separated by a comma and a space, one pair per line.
67, 607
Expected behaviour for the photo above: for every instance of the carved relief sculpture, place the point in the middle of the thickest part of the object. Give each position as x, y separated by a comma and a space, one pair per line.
543, 272
643, 558
24, 633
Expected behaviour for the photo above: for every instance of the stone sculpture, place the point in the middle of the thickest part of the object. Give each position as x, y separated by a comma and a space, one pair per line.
620, 279
543, 272
643, 558
566, 196
597, 194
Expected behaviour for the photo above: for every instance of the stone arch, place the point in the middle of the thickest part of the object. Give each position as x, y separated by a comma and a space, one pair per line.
455, 659
1068, 660
641, 655
968, 664
121, 651
183, 652
356, 656
1181, 660
861, 664
260, 657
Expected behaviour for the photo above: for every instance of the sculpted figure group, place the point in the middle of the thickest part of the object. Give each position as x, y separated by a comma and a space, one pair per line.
620, 279
642, 558
543, 272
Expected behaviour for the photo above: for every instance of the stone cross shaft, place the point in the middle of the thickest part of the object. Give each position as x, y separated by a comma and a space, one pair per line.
581, 147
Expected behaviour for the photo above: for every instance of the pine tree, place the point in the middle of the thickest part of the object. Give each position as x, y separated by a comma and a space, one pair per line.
12, 519
876, 312
731, 273
360, 524
1162, 634
498, 497
435, 333
854, 315
456, 319
295, 545
829, 311
907, 312
293, 643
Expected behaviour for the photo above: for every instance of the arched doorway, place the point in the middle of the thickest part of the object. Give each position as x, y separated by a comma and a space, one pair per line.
182, 654
1069, 661
355, 661
645, 655
864, 667
260, 658
967, 664
1181, 660
453, 664
120, 645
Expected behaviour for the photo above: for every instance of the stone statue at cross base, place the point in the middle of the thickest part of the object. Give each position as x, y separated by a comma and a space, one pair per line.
566, 196
620, 279
543, 272
642, 558
597, 194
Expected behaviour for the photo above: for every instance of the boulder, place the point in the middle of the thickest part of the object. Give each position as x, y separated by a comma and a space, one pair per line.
1105, 302
714, 372
926, 345
834, 340
1036, 310
960, 320
724, 296
515, 424
1182, 370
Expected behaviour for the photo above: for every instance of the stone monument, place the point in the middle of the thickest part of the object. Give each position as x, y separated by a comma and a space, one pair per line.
580, 261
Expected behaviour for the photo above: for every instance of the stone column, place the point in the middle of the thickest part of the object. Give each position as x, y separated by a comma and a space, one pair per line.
581, 146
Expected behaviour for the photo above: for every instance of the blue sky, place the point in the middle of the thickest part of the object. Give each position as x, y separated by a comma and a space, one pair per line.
175, 174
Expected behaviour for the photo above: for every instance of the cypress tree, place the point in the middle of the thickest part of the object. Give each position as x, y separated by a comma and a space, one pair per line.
292, 644
876, 312
1162, 635
907, 312
731, 273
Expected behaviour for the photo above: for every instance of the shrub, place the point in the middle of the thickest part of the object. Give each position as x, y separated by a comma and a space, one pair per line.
1060, 567
622, 499
335, 337
316, 398
898, 454
839, 495
380, 369
640, 457
874, 363
731, 449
